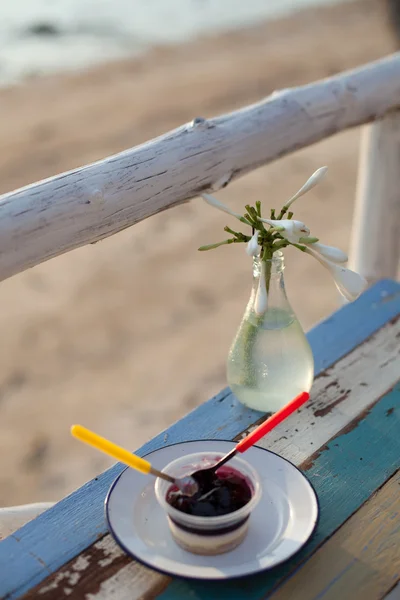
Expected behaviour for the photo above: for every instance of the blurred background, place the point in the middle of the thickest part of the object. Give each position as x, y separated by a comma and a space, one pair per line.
127, 335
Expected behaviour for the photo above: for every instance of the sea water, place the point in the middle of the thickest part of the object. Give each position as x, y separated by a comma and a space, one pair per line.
44, 36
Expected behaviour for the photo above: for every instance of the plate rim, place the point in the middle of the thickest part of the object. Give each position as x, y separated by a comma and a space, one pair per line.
191, 577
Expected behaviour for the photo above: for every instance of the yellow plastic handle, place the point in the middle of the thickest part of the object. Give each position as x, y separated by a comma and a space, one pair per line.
91, 438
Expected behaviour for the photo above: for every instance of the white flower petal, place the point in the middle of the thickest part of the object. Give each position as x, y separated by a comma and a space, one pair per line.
217, 204
334, 254
309, 184
291, 230
349, 283
253, 249
261, 301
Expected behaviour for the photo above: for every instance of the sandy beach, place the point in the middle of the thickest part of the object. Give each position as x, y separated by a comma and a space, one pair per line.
128, 335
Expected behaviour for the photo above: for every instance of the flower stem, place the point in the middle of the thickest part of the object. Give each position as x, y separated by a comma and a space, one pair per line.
253, 324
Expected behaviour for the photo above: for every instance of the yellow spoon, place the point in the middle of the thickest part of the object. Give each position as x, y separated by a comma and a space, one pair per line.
120, 454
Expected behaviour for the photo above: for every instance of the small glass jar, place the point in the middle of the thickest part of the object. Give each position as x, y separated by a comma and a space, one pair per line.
208, 535
270, 360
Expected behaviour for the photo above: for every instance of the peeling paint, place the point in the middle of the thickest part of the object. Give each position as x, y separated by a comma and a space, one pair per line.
334, 383
309, 463
81, 563
53, 584
322, 412
111, 552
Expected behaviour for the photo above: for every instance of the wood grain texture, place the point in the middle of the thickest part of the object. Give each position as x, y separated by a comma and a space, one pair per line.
343, 392
296, 439
14, 517
344, 473
60, 534
377, 208
360, 561
64, 212
132, 581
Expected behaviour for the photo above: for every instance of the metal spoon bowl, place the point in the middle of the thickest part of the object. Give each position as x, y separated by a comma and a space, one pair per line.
203, 478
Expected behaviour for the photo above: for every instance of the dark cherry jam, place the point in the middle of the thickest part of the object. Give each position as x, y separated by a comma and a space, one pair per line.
221, 493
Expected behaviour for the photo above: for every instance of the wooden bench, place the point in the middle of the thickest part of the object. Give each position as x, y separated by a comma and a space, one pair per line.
346, 440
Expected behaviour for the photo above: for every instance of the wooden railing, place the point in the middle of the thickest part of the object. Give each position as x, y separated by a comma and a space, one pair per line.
56, 215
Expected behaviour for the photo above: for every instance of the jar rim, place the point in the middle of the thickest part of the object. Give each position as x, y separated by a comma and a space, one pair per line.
249, 471
276, 257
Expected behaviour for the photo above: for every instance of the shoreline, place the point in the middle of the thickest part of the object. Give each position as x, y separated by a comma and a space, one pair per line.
44, 41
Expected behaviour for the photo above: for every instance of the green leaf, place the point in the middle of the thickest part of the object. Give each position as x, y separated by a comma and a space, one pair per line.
212, 246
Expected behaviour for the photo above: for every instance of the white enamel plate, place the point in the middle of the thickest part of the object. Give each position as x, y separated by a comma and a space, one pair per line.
280, 525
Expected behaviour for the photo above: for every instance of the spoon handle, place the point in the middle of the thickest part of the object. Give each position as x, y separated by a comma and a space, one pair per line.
272, 422
100, 443
132, 460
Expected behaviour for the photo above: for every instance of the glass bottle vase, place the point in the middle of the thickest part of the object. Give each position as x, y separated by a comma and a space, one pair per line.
270, 360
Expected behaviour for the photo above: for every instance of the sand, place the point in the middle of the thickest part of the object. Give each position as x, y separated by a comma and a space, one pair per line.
128, 335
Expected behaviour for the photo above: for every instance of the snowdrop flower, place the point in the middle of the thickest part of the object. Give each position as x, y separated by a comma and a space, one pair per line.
289, 229
261, 301
253, 249
349, 283
330, 252
309, 184
217, 204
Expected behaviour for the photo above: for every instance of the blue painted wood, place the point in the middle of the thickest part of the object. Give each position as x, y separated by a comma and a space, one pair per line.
61, 533
344, 475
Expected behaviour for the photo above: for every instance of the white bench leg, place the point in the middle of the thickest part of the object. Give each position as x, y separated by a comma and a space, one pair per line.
14, 517
375, 240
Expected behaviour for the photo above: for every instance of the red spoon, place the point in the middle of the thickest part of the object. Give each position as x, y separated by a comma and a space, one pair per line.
205, 474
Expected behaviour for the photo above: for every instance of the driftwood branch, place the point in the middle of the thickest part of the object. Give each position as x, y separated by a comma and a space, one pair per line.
82, 206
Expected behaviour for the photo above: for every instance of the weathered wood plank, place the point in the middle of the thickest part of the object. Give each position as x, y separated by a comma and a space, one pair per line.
377, 208
360, 561
132, 581
338, 399
60, 534
15, 517
340, 395
344, 473
64, 212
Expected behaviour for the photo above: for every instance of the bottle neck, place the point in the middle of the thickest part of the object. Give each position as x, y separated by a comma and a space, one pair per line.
274, 268
274, 281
